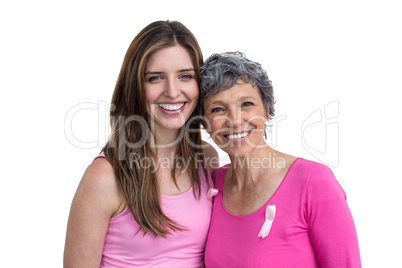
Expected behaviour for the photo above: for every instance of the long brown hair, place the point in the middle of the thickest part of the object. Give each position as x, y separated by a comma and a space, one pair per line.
129, 141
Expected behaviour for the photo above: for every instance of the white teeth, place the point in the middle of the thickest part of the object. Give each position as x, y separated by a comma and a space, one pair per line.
238, 136
171, 107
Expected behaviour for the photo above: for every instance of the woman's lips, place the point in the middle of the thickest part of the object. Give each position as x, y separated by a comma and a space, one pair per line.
238, 136
171, 108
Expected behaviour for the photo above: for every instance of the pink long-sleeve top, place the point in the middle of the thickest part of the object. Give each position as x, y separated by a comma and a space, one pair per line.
312, 225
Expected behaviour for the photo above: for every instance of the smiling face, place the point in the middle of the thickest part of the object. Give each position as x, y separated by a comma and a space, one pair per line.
171, 88
235, 119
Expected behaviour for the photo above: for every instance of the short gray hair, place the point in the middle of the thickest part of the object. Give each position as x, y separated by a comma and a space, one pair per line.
223, 71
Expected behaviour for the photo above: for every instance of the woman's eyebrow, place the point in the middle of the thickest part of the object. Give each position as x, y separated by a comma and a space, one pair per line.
246, 97
153, 73
215, 102
180, 71
187, 70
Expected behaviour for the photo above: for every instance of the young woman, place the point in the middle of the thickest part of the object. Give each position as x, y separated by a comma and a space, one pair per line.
143, 201
272, 209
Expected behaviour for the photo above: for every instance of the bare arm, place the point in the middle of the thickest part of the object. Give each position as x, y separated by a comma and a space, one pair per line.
97, 199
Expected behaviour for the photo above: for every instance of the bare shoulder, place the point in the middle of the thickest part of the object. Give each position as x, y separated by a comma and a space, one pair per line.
99, 181
99, 171
284, 161
97, 199
211, 156
98, 191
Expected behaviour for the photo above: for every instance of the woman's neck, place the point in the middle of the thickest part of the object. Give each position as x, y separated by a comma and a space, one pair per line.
166, 140
260, 163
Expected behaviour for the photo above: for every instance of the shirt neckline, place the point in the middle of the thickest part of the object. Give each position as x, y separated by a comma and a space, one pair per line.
264, 205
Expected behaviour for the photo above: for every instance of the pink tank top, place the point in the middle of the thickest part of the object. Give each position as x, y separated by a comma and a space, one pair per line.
122, 248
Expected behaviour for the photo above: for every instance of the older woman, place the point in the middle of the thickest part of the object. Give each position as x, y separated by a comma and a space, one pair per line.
272, 209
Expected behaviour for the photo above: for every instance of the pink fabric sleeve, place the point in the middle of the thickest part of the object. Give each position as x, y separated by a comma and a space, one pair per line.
330, 222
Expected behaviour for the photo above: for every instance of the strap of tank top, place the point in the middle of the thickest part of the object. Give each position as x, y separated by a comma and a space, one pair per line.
218, 176
101, 155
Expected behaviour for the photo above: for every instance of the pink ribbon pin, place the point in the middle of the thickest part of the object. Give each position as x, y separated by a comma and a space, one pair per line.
269, 219
212, 192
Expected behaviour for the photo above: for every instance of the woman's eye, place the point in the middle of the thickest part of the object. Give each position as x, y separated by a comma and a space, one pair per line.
216, 110
154, 78
247, 103
186, 76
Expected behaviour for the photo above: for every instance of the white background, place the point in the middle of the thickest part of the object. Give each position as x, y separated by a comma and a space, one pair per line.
344, 54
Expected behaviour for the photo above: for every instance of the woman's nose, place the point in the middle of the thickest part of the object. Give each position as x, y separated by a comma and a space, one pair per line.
172, 89
235, 118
